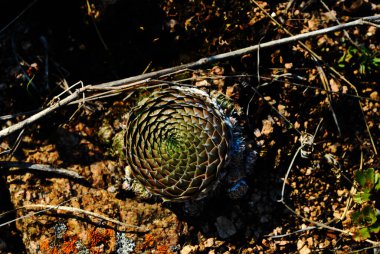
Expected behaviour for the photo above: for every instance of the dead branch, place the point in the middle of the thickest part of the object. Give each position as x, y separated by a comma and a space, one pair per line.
316, 57
325, 225
240, 52
40, 168
136, 81
59, 103
88, 213
44, 208
18, 16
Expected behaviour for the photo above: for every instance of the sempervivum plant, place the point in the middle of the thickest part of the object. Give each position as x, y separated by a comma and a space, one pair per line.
178, 142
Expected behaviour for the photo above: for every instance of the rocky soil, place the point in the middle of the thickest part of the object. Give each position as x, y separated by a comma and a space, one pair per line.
299, 200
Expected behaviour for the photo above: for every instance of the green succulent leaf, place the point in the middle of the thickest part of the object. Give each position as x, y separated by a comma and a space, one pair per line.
377, 181
342, 59
361, 234
362, 197
375, 228
366, 179
360, 58
376, 61
353, 50
365, 217
357, 218
362, 69
370, 214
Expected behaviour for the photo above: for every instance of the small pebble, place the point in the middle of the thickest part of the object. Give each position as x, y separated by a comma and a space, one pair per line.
225, 227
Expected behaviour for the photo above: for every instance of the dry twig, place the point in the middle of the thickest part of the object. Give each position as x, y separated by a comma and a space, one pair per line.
316, 223
18, 16
39, 168
115, 87
85, 212
372, 21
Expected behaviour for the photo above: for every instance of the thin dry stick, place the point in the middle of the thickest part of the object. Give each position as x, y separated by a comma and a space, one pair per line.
352, 192
338, 22
42, 113
323, 225
288, 172
239, 52
275, 110
19, 218
326, 86
318, 224
12, 116
60, 206
291, 233
15, 145
271, 79
136, 81
363, 250
33, 213
40, 168
372, 21
81, 211
18, 16
89, 13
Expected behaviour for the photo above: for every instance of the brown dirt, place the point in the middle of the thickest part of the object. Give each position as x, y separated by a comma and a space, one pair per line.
145, 34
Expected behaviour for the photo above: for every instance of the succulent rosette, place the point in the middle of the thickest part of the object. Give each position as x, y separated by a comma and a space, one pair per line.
178, 142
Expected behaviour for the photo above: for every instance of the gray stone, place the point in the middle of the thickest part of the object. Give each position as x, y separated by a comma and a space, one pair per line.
225, 227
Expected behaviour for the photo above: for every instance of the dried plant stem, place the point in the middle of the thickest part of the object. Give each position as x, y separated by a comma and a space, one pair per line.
325, 225
337, 21
88, 213
44, 208
240, 52
39, 168
326, 87
18, 16
137, 81
291, 233
42, 113
101, 39
290, 125
33, 213
319, 58
316, 223
315, 57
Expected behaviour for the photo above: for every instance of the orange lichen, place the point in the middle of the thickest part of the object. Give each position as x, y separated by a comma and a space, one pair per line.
100, 236
162, 249
149, 240
45, 245
93, 239
68, 247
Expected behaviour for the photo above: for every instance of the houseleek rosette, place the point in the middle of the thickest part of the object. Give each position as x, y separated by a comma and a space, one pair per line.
177, 143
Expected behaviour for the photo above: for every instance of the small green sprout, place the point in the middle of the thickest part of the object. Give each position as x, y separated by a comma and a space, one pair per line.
368, 61
367, 219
